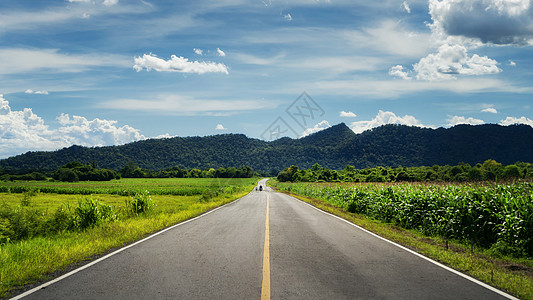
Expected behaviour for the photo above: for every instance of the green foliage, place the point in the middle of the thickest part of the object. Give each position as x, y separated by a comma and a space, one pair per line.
36, 176
140, 203
496, 216
91, 212
489, 170
76, 171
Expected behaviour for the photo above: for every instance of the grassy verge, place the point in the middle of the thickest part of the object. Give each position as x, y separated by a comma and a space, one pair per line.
515, 276
35, 259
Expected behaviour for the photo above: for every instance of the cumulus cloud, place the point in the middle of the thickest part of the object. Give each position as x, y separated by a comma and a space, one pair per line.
220, 52
29, 91
512, 120
22, 131
220, 127
512, 63
398, 71
347, 114
164, 136
383, 118
491, 110
456, 120
502, 22
177, 64
452, 60
460, 27
198, 51
318, 127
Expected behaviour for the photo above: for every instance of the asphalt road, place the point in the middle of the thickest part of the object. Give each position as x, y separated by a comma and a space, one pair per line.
310, 255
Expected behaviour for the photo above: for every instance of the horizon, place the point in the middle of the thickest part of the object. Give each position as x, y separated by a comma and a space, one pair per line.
112, 72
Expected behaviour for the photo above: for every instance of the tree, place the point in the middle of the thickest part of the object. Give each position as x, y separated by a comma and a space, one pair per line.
511, 171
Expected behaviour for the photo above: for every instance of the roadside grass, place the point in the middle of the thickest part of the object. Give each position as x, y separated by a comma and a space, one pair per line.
514, 276
37, 259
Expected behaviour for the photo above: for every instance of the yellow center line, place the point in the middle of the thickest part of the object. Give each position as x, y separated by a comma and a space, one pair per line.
265, 288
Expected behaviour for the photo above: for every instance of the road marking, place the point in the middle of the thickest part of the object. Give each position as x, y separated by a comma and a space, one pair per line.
472, 279
265, 288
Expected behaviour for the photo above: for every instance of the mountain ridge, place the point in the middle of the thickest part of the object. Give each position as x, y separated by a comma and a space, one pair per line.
334, 148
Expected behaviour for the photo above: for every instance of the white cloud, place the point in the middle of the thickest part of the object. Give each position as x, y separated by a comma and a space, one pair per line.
512, 120
177, 64
318, 127
287, 17
220, 52
198, 51
383, 118
30, 91
453, 60
20, 60
456, 120
220, 127
398, 71
22, 131
183, 105
347, 114
78, 130
512, 63
406, 7
164, 136
110, 2
491, 110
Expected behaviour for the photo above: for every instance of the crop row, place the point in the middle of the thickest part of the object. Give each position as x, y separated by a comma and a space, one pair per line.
181, 191
496, 216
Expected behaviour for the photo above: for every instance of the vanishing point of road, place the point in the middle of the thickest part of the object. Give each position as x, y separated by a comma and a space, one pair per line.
264, 245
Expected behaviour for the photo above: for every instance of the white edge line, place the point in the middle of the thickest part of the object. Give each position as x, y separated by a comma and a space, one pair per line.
48, 283
502, 293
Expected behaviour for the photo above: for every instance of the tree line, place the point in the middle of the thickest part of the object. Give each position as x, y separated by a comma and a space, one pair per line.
489, 170
75, 171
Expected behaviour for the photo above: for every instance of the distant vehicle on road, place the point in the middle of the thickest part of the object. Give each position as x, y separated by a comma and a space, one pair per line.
260, 188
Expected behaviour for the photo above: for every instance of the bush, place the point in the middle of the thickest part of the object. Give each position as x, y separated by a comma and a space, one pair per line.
90, 213
140, 203
62, 220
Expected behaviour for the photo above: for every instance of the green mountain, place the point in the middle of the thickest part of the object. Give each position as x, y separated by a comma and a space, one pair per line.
334, 148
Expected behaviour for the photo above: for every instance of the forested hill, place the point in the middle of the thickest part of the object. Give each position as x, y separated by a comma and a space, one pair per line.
334, 148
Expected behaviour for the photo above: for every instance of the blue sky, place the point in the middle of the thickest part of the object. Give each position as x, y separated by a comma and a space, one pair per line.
109, 72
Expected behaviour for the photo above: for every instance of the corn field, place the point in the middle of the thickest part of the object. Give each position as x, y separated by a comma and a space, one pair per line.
495, 216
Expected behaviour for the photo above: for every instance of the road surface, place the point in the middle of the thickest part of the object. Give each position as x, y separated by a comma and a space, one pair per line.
264, 245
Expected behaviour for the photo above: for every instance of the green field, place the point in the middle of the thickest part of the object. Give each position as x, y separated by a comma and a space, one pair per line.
45, 226
482, 229
124, 187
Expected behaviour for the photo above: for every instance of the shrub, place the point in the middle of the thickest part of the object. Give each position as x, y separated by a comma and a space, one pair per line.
90, 213
140, 203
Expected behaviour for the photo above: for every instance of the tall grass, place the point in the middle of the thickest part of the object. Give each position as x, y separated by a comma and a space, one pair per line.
493, 216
